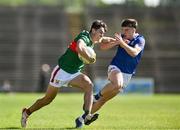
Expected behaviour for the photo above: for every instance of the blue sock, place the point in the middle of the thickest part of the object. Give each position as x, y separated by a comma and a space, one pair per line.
98, 95
85, 114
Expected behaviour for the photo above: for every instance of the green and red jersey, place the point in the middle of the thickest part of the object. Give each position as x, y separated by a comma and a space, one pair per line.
70, 61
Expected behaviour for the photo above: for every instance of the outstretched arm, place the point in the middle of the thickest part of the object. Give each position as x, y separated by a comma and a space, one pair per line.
107, 43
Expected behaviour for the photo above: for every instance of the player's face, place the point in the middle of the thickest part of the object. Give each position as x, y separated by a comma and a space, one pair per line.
128, 32
98, 34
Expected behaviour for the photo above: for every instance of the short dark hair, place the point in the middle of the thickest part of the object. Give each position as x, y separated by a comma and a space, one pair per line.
129, 23
97, 24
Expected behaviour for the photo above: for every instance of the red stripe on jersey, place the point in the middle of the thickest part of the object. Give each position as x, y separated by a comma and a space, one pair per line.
54, 74
73, 46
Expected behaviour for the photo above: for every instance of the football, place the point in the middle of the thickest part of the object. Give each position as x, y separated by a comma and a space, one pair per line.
92, 53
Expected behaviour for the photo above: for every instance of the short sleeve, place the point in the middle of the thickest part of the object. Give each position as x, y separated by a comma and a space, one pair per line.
84, 38
140, 42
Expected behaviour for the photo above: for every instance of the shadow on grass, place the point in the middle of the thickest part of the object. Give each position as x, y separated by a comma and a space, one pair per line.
10, 128
16, 128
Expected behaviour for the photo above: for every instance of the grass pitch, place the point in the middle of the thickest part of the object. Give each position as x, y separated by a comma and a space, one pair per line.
125, 112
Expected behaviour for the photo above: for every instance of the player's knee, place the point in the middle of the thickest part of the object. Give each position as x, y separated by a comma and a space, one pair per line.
117, 84
87, 84
118, 87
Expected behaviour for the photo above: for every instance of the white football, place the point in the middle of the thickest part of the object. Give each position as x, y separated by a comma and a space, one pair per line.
91, 53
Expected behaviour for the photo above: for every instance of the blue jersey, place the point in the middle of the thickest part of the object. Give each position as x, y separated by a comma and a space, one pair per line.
125, 62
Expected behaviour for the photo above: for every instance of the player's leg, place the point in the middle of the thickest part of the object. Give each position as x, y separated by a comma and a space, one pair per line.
48, 98
51, 93
110, 90
83, 82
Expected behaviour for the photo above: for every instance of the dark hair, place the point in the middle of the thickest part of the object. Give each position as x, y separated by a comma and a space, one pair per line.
129, 23
97, 24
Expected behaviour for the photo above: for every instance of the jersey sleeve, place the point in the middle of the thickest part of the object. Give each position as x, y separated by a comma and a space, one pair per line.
140, 42
82, 37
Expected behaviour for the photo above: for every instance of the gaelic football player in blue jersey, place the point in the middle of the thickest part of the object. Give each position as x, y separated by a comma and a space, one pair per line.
130, 46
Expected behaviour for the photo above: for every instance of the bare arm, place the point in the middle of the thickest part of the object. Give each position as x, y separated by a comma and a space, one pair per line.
81, 49
132, 51
107, 43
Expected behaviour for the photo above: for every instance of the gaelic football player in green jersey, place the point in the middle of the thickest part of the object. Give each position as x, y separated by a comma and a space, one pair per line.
68, 73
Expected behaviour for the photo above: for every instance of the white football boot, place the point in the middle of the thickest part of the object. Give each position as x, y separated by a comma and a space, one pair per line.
24, 118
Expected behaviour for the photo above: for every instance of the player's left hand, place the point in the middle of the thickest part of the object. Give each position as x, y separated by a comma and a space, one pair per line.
121, 40
118, 37
126, 41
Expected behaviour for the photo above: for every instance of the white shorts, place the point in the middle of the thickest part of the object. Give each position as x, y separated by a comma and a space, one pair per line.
61, 78
126, 77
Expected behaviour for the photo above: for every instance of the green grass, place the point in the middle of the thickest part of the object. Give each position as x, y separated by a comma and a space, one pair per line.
125, 112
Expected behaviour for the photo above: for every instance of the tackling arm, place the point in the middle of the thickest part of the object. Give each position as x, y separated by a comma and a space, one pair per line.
107, 43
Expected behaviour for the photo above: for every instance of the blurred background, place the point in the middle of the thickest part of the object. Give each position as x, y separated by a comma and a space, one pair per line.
34, 33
